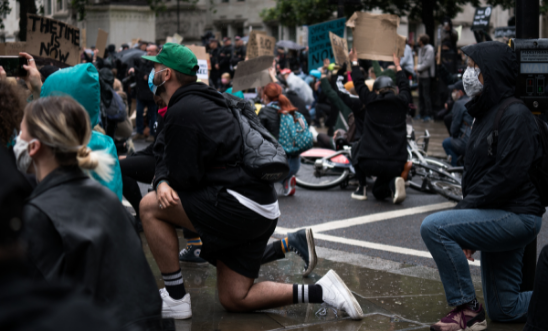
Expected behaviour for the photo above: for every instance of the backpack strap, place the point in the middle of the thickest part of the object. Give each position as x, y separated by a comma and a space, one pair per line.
493, 138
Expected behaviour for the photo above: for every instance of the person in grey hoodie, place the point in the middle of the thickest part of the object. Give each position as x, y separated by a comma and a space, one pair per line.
426, 70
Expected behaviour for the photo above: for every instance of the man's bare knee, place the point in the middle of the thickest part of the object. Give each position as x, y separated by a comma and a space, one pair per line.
148, 205
232, 303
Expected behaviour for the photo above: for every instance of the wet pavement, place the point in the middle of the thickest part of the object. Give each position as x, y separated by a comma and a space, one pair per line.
390, 301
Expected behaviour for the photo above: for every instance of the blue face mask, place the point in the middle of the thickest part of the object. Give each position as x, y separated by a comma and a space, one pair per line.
151, 85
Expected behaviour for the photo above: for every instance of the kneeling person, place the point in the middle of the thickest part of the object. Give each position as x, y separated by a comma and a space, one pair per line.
200, 187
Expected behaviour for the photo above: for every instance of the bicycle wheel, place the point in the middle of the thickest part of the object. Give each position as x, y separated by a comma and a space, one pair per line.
419, 173
449, 190
308, 177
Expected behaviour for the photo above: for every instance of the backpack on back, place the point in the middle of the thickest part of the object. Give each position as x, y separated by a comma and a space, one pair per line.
116, 111
539, 169
294, 135
262, 156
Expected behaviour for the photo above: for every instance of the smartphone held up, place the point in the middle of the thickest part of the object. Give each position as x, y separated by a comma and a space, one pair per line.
13, 65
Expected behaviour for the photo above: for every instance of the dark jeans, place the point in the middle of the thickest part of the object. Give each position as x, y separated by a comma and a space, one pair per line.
537, 317
385, 171
151, 116
140, 168
425, 99
448, 120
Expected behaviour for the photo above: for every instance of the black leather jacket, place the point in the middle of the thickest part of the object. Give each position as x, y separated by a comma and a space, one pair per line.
76, 229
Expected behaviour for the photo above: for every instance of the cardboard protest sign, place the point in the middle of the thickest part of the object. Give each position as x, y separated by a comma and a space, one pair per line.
13, 49
319, 44
177, 38
101, 43
352, 20
203, 59
481, 19
169, 40
54, 39
340, 49
252, 73
376, 37
259, 44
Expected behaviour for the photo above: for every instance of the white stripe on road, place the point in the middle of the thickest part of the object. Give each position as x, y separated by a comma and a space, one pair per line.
378, 217
370, 245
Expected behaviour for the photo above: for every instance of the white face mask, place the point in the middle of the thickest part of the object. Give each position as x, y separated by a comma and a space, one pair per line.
21, 151
470, 80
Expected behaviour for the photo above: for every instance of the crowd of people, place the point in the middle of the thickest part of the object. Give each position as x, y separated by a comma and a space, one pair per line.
68, 161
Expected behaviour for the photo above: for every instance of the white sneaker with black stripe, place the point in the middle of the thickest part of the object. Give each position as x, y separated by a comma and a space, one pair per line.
176, 309
336, 294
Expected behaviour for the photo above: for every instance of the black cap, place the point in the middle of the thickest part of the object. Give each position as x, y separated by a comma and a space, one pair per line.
383, 82
457, 86
47, 70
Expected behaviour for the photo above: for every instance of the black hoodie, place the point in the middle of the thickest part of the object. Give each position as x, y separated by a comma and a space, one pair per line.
500, 181
201, 146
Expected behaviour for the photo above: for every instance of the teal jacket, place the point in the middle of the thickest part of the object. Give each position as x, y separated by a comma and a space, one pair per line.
81, 82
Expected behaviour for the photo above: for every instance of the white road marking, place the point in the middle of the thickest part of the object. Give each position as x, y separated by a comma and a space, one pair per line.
378, 217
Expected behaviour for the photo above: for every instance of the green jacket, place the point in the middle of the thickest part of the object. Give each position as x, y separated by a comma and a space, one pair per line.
338, 103
81, 82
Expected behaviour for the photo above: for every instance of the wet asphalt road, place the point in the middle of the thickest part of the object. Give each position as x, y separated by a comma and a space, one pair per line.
310, 208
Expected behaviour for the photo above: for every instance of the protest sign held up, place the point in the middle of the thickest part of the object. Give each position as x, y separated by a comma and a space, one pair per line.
260, 44
203, 59
13, 49
481, 19
376, 37
252, 73
101, 42
319, 44
54, 39
340, 49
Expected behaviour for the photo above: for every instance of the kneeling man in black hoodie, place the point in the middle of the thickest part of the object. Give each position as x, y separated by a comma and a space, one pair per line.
200, 186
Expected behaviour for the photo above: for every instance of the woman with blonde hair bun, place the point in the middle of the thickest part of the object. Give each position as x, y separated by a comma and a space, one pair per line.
75, 228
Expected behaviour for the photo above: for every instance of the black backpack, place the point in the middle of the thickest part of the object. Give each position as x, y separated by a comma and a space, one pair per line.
262, 156
539, 169
116, 111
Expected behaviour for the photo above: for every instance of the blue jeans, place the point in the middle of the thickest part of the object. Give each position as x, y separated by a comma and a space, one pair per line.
448, 147
151, 116
501, 237
294, 166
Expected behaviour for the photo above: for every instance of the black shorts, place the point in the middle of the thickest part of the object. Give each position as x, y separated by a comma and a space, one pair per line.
230, 232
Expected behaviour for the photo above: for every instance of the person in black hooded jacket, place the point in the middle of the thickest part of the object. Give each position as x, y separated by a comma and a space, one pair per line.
382, 149
200, 185
501, 211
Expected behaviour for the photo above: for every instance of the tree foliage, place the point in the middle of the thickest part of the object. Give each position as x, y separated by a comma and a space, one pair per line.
299, 12
507, 4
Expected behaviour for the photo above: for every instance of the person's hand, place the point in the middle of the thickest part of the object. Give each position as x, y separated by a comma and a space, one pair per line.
446, 106
166, 196
95, 53
122, 157
396, 61
353, 55
217, 66
131, 70
33, 77
3, 74
468, 253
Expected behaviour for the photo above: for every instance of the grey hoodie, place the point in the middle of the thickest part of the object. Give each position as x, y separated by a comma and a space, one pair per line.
426, 62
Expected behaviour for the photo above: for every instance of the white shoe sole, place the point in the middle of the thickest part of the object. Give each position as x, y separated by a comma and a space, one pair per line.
357, 312
359, 197
400, 194
176, 315
311, 253
480, 326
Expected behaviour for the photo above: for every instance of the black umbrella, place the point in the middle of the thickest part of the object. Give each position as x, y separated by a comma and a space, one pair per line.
289, 44
129, 56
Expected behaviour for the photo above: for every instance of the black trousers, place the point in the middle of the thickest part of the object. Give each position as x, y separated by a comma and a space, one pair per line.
425, 98
140, 168
537, 317
385, 171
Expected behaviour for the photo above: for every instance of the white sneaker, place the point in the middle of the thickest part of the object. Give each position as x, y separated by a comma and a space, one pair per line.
337, 295
399, 194
177, 309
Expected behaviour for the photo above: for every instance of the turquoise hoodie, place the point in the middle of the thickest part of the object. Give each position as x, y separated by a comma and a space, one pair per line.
81, 82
